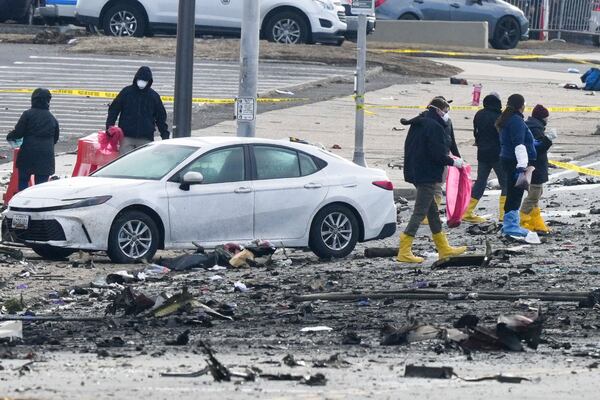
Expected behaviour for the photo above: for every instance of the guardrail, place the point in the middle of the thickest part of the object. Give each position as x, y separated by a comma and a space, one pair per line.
561, 16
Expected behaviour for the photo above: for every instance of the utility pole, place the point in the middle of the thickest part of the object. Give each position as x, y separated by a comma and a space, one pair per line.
362, 8
184, 68
245, 104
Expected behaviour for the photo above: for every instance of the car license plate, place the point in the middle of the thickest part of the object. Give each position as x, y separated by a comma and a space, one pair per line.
20, 221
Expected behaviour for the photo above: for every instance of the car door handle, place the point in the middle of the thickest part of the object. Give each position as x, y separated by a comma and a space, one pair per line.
419, 1
455, 5
313, 185
243, 189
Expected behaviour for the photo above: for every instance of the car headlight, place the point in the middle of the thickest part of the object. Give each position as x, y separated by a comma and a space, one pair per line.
85, 202
326, 4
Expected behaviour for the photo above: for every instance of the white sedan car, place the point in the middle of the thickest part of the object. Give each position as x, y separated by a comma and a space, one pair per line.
209, 190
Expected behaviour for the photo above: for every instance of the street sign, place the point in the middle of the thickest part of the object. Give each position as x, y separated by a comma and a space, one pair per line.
363, 7
245, 108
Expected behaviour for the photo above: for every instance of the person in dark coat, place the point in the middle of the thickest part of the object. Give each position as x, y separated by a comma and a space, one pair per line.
531, 214
487, 140
40, 131
140, 111
517, 151
451, 143
426, 155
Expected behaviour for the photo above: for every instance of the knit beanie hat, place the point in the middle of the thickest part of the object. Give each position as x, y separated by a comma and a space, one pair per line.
540, 112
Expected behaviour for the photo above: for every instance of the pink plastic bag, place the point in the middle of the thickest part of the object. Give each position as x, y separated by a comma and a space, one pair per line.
110, 141
458, 193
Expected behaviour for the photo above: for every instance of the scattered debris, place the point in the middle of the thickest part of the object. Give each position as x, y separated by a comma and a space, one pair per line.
181, 340
414, 371
316, 329
291, 361
335, 361
11, 330
458, 81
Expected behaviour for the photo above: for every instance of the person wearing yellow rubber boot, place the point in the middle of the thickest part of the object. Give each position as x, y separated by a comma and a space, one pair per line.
426, 154
487, 140
531, 215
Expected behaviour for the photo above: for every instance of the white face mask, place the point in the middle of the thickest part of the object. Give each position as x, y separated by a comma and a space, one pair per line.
142, 84
446, 117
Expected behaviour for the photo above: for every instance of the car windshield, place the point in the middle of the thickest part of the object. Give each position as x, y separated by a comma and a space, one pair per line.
148, 162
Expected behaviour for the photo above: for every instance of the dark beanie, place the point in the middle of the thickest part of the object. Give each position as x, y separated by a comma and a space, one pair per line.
515, 101
540, 112
439, 102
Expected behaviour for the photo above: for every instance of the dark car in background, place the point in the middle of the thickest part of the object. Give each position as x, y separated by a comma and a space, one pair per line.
506, 23
20, 11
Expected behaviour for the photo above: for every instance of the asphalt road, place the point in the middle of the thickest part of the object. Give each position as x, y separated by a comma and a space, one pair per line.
24, 67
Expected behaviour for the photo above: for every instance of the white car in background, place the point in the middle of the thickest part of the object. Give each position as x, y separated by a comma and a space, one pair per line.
171, 193
283, 21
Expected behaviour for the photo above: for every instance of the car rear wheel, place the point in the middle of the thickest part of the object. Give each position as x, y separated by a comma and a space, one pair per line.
133, 237
507, 34
52, 253
124, 19
287, 28
334, 232
409, 17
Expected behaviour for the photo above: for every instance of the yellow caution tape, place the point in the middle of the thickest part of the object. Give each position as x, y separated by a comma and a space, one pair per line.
577, 168
168, 99
475, 108
457, 54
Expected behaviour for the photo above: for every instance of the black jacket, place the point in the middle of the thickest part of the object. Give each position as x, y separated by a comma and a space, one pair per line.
487, 138
542, 144
39, 130
426, 149
139, 110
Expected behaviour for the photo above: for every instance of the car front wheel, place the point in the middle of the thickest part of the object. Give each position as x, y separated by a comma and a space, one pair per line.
52, 253
133, 237
287, 28
334, 232
507, 34
124, 19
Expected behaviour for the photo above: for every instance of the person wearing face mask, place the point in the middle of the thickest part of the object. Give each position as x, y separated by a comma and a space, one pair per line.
140, 111
39, 131
517, 151
531, 215
451, 141
426, 154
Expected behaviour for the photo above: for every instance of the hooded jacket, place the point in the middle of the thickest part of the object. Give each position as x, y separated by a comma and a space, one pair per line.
542, 144
487, 138
40, 131
139, 110
514, 133
426, 149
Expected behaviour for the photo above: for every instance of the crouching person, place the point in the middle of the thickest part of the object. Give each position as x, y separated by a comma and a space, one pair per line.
426, 154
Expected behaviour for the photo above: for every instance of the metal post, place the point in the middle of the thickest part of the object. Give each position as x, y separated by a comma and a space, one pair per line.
184, 69
361, 64
560, 18
245, 107
546, 19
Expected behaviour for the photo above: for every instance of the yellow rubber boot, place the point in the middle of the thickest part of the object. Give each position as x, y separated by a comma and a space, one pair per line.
405, 254
438, 201
501, 203
470, 215
526, 220
537, 222
443, 247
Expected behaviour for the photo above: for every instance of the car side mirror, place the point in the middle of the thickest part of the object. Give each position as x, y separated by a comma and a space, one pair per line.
191, 178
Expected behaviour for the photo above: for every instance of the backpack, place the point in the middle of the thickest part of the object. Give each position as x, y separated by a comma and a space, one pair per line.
591, 79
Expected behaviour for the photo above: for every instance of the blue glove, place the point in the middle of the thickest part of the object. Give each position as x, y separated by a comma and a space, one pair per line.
518, 172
